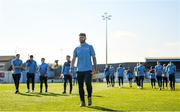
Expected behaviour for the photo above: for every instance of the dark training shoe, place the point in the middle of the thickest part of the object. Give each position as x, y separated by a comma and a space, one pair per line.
89, 101
16, 92
82, 104
64, 92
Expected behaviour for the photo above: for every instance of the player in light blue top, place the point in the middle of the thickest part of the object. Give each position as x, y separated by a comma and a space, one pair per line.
31, 66
141, 74
164, 76
130, 76
120, 71
136, 75
152, 77
43, 70
158, 72
171, 70
84, 53
67, 74
107, 74
112, 77
17, 69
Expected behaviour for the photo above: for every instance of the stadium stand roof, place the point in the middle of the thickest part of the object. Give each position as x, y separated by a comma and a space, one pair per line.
162, 59
6, 58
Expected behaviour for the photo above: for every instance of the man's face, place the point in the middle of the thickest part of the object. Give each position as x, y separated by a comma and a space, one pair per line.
18, 56
82, 39
31, 58
42, 60
68, 58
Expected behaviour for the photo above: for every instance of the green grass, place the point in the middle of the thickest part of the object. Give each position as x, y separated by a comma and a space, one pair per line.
122, 99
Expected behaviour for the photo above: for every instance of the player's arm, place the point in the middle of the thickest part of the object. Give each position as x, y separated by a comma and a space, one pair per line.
73, 62
95, 63
13, 67
36, 68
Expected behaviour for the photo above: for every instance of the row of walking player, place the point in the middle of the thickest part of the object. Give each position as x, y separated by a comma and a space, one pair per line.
84, 53
159, 73
32, 69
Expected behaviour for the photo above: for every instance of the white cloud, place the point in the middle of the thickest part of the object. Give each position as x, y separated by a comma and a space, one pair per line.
124, 35
175, 45
123, 47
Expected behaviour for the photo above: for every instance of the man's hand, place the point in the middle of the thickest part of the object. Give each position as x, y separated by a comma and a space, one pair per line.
61, 76
70, 71
94, 73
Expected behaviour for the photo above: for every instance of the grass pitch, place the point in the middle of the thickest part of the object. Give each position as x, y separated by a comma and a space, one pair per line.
104, 99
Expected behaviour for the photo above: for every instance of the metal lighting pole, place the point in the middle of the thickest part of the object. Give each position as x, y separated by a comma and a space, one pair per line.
106, 17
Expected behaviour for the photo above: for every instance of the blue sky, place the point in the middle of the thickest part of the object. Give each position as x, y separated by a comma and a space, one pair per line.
50, 28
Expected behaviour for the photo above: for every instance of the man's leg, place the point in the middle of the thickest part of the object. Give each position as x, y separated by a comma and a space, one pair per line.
33, 83
122, 80
28, 78
163, 81
65, 81
119, 81
41, 83
138, 77
14, 78
142, 81
152, 83
88, 80
80, 78
173, 82
160, 81
46, 84
113, 81
70, 83
18, 79
107, 81
166, 82
110, 80
131, 82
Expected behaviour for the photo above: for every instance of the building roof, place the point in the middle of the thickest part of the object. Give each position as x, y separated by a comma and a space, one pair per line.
162, 59
6, 58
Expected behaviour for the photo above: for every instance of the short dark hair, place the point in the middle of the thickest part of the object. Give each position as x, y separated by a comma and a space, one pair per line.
17, 55
68, 56
31, 56
82, 34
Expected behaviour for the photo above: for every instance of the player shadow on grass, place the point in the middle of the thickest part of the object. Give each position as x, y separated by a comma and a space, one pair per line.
28, 94
99, 108
87, 95
43, 94
53, 94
